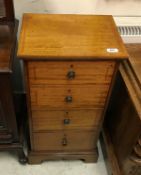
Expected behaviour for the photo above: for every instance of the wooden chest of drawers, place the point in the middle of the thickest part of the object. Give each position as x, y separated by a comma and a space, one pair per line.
70, 65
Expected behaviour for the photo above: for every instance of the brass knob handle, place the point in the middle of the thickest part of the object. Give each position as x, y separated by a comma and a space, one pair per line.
68, 99
71, 74
66, 121
64, 141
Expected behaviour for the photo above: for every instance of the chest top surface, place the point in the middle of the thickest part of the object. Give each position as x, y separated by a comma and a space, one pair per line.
51, 36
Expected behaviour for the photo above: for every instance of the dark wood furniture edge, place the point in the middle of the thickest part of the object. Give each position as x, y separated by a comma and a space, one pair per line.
39, 157
131, 85
134, 46
16, 142
10, 14
133, 88
17, 146
105, 140
109, 154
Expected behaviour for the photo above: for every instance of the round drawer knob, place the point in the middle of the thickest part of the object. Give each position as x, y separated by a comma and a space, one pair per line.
68, 99
71, 75
66, 121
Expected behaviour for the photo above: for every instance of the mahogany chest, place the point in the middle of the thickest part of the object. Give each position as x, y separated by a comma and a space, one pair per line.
70, 65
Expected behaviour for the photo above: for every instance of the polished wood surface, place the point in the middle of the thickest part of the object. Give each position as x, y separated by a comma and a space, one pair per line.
68, 78
69, 37
86, 96
64, 141
46, 73
132, 86
8, 29
7, 11
36, 157
7, 32
134, 51
71, 119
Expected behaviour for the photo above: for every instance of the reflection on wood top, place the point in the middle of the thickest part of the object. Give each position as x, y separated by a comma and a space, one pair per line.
6, 45
134, 51
50, 36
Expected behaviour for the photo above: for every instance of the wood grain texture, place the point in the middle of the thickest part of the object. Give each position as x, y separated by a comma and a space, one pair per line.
50, 51
124, 127
69, 37
134, 51
45, 73
53, 141
36, 157
109, 155
51, 97
7, 108
123, 121
7, 32
132, 86
7, 11
54, 120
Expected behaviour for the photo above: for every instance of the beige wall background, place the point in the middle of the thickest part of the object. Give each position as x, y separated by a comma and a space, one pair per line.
114, 7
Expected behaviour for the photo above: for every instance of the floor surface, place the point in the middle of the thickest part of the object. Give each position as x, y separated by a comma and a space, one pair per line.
9, 165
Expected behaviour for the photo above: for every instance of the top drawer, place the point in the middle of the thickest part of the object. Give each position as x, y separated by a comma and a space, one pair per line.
73, 72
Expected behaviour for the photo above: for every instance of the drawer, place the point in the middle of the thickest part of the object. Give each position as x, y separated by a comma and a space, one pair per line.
70, 72
64, 141
65, 97
58, 120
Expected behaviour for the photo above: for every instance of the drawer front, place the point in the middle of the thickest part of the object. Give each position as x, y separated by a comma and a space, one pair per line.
75, 96
59, 120
64, 141
96, 72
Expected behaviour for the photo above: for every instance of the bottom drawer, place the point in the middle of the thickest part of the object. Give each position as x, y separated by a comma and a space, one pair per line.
64, 141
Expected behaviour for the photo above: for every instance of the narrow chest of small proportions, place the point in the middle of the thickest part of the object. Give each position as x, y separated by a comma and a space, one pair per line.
69, 73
